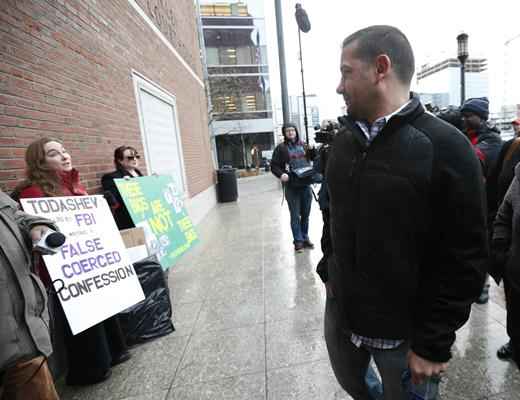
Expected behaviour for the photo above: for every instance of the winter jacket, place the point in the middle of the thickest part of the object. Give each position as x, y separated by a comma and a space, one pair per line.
24, 319
70, 186
506, 235
289, 155
408, 230
504, 171
487, 144
121, 214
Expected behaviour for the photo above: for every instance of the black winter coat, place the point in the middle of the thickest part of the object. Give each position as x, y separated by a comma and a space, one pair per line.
280, 162
504, 172
489, 144
408, 230
121, 214
506, 235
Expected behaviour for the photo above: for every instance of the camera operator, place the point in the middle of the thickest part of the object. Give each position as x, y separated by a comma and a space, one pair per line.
25, 342
325, 136
290, 163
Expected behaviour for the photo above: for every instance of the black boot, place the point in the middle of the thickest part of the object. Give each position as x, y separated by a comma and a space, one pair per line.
505, 352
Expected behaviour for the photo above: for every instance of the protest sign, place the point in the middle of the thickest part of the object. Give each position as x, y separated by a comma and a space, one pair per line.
91, 272
155, 205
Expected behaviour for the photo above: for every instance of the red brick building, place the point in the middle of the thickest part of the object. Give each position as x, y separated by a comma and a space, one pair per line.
99, 74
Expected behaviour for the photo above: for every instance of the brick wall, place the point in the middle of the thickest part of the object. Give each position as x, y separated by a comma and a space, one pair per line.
66, 72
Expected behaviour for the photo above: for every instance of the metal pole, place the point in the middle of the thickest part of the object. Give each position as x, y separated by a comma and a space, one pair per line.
244, 156
281, 60
462, 83
303, 89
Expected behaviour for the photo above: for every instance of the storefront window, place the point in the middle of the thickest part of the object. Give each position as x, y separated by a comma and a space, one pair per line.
234, 47
240, 94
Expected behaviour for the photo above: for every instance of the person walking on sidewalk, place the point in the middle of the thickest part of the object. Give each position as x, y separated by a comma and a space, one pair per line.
487, 143
407, 222
506, 254
503, 176
504, 171
288, 158
25, 341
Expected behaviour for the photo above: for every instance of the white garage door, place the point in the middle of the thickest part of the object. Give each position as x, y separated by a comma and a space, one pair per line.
160, 132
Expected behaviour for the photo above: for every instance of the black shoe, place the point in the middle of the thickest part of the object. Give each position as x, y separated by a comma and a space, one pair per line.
121, 359
298, 247
85, 381
505, 352
484, 296
308, 244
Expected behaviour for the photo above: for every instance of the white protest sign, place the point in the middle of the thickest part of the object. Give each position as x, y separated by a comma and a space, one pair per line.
91, 272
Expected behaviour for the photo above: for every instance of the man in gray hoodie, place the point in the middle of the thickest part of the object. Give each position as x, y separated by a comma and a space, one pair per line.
25, 343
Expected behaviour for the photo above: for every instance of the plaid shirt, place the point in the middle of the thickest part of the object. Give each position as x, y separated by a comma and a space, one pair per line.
376, 343
371, 131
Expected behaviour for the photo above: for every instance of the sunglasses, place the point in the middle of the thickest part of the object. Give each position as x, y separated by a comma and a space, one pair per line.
131, 158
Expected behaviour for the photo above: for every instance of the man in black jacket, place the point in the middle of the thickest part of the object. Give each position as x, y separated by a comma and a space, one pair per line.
487, 143
408, 226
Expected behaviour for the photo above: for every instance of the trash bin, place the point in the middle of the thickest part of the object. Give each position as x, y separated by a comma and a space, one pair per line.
227, 187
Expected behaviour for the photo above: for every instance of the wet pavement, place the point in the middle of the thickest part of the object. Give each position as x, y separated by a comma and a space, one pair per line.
248, 314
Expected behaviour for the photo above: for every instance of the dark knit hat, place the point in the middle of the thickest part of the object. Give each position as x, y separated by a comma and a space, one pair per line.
477, 105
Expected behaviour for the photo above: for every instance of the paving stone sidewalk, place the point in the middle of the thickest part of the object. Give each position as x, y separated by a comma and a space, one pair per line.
248, 313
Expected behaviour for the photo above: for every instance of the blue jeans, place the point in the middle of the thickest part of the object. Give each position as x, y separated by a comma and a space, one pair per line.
351, 366
299, 200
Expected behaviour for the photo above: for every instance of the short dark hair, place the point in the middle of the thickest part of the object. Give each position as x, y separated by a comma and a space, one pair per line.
119, 154
384, 39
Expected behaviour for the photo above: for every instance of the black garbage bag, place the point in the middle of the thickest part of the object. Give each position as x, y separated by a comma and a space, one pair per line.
150, 318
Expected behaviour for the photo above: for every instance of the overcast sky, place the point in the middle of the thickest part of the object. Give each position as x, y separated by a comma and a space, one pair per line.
431, 27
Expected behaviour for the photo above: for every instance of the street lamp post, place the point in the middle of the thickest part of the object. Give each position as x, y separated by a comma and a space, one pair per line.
462, 55
281, 60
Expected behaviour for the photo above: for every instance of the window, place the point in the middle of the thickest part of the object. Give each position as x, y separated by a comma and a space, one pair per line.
212, 56
249, 95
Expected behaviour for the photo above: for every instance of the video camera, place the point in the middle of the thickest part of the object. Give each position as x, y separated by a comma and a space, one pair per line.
326, 133
452, 115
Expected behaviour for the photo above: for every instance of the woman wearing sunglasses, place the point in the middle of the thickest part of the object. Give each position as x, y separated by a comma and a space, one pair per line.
126, 161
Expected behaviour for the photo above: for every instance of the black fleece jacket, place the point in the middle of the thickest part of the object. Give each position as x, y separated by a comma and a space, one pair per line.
408, 230
119, 210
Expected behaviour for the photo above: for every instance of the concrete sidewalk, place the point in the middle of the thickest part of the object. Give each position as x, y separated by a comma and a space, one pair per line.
248, 314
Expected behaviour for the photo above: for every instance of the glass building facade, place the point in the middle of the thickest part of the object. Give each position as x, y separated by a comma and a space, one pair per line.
238, 73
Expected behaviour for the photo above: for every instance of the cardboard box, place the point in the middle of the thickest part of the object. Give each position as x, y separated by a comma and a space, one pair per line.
133, 237
135, 243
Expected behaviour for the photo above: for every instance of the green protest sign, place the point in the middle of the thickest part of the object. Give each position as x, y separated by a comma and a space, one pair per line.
156, 205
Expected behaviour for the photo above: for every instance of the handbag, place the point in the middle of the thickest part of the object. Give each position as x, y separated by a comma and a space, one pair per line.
304, 172
305, 176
